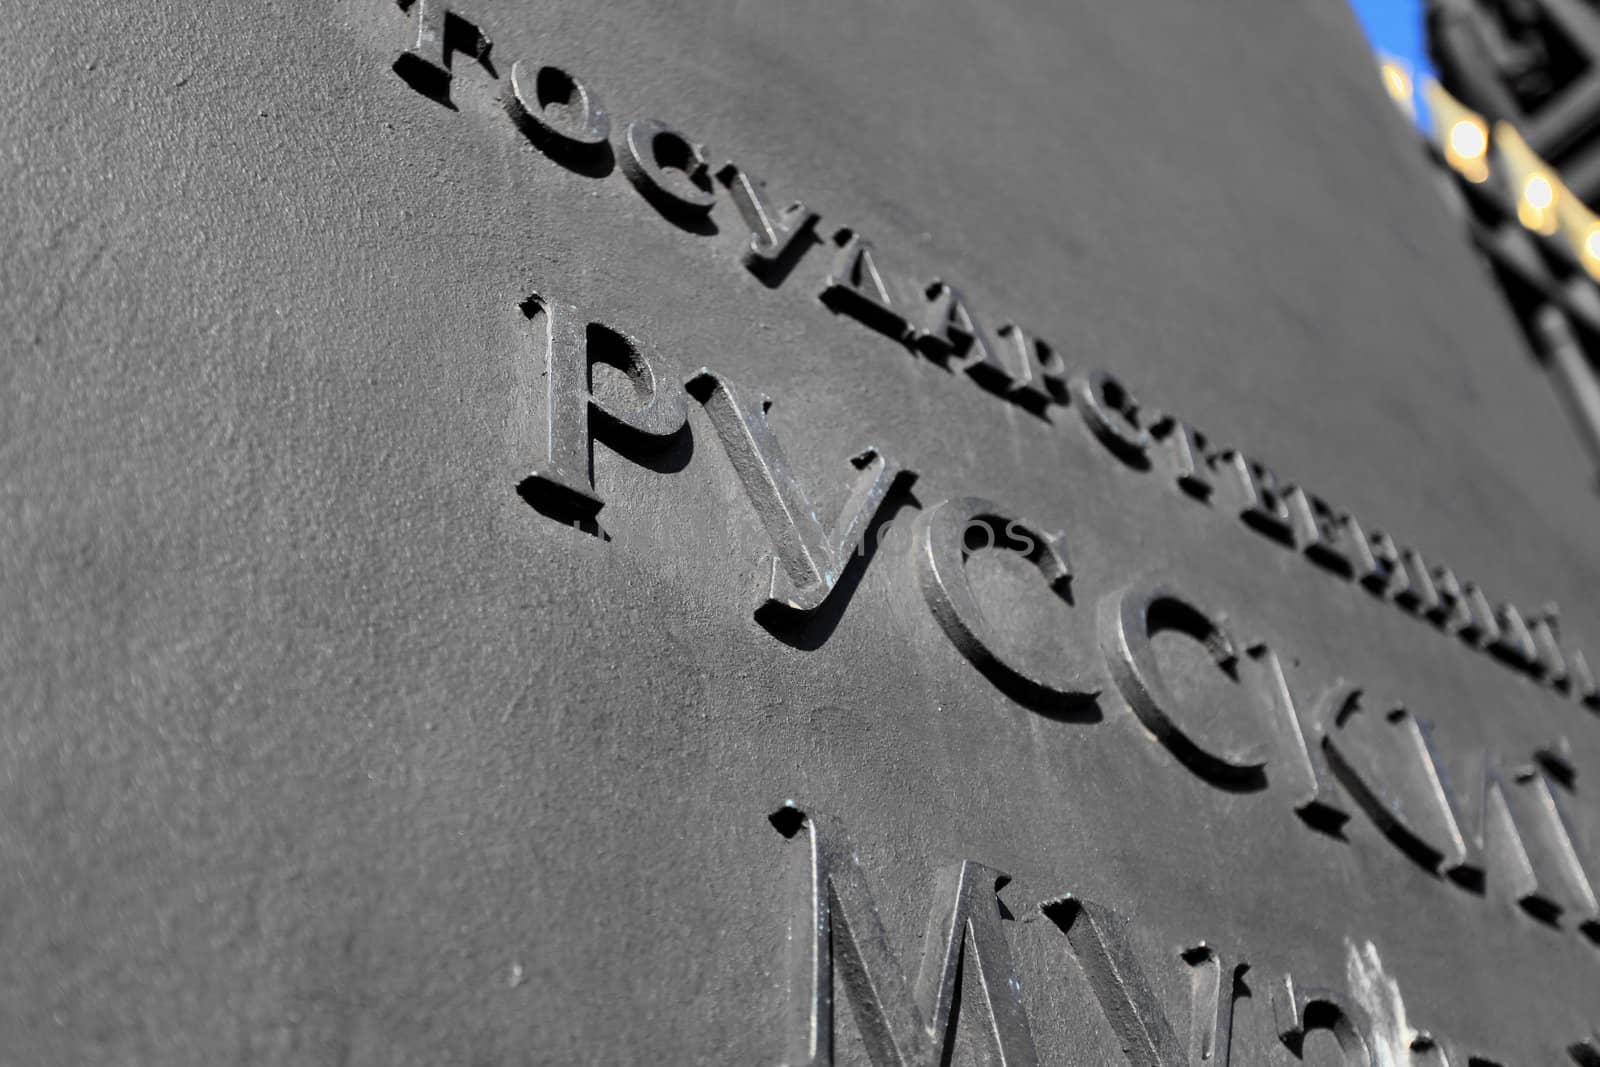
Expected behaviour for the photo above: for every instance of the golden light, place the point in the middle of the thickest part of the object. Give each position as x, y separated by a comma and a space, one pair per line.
1539, 192
1589, 253
1462, 135
1534, 219
1580, 228
1398, 84
1469, 139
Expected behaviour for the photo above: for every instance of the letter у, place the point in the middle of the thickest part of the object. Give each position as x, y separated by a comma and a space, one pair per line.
809, 558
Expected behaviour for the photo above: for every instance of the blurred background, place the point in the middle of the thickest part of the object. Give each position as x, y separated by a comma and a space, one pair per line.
1505, 98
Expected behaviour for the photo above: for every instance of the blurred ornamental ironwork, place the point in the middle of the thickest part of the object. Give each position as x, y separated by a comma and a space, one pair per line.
1506, 95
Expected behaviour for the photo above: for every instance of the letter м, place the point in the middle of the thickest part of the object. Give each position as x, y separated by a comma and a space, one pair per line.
833, 917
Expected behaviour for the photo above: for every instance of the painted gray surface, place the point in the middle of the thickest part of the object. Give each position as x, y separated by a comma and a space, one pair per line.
315, 734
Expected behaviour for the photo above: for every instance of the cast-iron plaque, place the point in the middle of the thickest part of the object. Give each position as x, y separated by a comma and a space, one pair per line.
773, 533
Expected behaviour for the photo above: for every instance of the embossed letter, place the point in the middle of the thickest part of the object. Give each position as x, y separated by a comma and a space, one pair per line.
566, 479
776, 238
1316, 796
559, 114
1128, 619
856, 287
1039, 373
1258, 496
1213, 986
1324, 537
425, 65
1386, 763
1100, 941
1112, 415
1517, 823
809, 558
833, 917
1029, 676
669, 170
1299, 1010
949, 334
1184, 454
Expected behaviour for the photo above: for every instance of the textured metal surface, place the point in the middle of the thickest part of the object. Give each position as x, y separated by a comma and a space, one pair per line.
422, 644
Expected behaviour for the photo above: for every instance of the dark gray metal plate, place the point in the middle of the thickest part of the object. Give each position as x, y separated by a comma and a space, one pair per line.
342, 727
